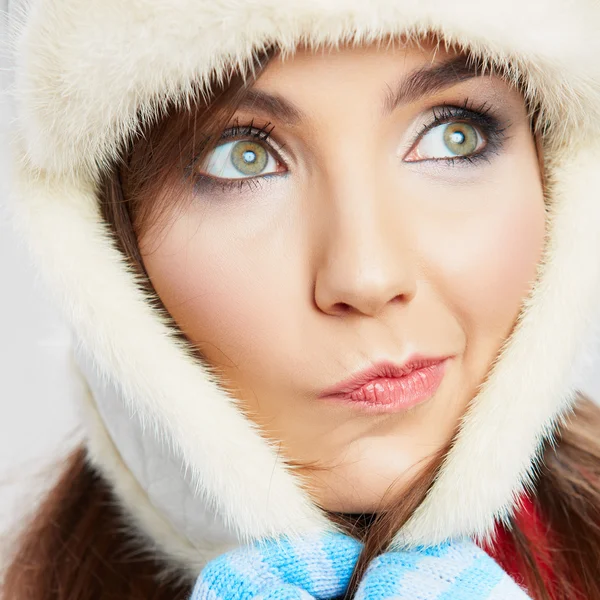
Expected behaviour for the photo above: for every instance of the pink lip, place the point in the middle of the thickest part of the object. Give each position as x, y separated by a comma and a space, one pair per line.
387, 387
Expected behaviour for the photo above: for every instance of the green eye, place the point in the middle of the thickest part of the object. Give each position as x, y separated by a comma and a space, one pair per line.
455, 139
249, 158
240, 159
461, 138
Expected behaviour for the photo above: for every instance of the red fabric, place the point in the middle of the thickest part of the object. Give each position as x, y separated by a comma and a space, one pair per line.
503, 550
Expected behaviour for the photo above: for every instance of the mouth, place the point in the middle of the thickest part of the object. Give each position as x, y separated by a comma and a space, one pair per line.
389, 387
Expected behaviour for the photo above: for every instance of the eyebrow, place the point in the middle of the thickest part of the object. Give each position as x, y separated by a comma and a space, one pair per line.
272, 105
433, 78
414, 86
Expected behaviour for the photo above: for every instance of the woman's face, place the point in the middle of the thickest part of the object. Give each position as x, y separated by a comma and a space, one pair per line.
364, 205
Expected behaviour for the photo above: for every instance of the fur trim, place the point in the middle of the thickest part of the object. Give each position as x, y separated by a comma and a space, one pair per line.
157, 379
89, 70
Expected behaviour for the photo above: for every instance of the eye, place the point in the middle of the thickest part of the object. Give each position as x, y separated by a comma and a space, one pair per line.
240, 159
448, 140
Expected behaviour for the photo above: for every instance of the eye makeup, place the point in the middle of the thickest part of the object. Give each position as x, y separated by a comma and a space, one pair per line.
206, 183
479, 116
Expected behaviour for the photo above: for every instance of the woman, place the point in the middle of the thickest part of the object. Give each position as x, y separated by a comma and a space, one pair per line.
328, 268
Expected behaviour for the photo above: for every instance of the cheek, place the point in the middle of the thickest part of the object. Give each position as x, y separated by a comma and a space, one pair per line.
487, 260
224, 288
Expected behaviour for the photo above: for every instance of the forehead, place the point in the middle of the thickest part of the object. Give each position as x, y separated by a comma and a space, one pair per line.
352, 64
374, 79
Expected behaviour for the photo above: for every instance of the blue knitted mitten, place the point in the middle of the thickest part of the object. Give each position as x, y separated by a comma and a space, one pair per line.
314, 566
320, 566
457, 570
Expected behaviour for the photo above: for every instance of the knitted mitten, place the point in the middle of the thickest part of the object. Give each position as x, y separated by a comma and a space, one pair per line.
320, 566
314, 566
457, 570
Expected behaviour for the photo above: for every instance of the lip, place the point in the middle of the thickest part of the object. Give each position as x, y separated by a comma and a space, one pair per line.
389, 387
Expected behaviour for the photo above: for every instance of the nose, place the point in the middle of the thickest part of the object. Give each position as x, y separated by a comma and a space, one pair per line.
366, 261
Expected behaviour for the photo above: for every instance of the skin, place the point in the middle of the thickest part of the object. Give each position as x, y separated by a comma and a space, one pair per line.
352, 253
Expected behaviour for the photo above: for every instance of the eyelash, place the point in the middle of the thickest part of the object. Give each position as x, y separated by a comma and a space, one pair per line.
468, 112
240, 132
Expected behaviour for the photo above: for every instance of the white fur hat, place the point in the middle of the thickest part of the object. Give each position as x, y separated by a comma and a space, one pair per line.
190, 469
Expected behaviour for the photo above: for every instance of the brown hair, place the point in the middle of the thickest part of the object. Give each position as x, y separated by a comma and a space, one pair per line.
80, 546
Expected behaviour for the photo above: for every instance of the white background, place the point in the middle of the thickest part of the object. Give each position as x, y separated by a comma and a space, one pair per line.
37, 413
